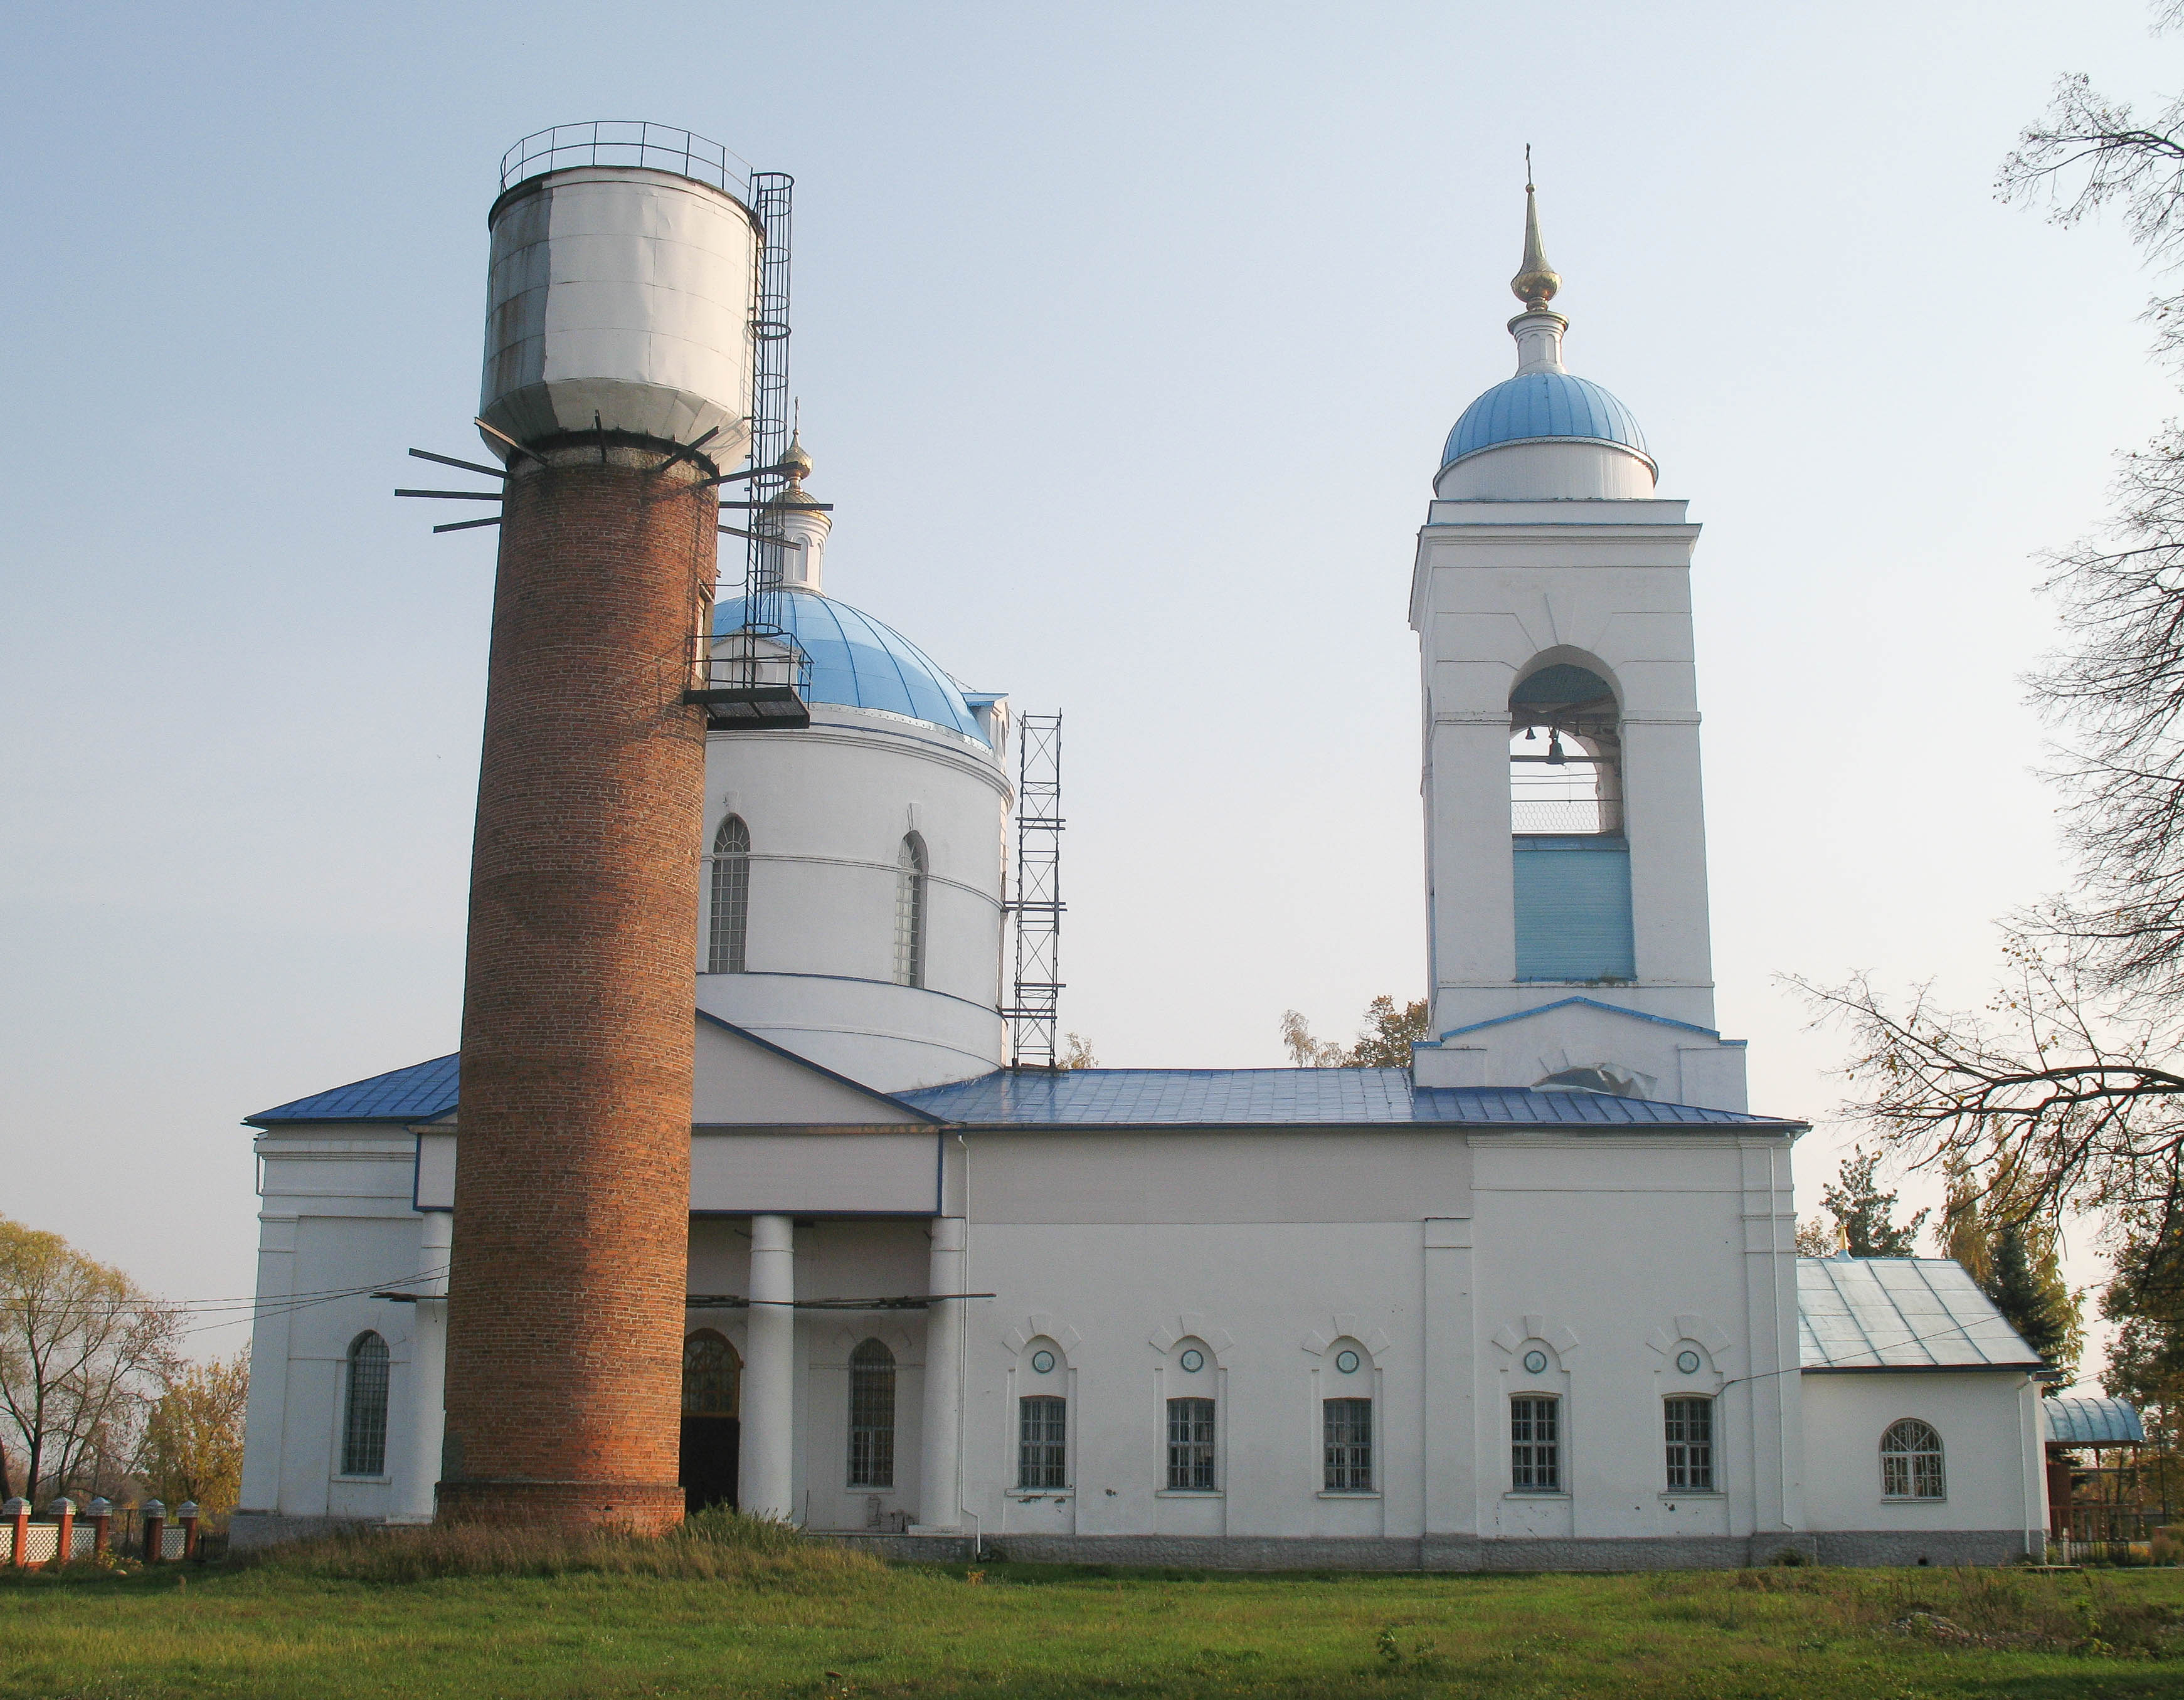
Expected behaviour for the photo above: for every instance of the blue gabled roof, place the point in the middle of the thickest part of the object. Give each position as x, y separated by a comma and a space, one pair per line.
1307, 1097
420, 1092
1533, 405
857, 663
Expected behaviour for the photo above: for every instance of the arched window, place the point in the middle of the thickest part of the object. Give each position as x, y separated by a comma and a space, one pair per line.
364, 1415
911, 868
872, 1416
1910, 1461
729, 922
712, 1375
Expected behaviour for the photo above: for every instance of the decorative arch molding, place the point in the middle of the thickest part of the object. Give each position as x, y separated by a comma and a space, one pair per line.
1375, 1342
1560, 652
1698, 1329
895, 1337
1040, 1325
1535, 1325
1191, 1325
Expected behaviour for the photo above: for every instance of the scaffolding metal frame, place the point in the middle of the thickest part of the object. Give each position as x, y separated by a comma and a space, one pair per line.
1034, 1011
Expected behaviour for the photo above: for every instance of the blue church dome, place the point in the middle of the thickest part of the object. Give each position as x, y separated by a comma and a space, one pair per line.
1543, 404
857, 663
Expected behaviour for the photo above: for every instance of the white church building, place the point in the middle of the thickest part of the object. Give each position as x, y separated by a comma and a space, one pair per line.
1533, 1303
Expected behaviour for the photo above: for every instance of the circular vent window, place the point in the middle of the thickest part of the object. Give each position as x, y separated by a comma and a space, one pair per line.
1194, 1359
1346, 1362
1536, 1363
1042, 1361
1688, 1362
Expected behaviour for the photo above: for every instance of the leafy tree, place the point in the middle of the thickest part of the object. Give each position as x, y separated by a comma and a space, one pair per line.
1863, 1211
1385, 1043
80, 1348
1076, 1052
192, 1444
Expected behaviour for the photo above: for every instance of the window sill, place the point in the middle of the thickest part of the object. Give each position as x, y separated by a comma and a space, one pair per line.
1341, 1493
1905, 1499
1671, 1496
1533, 1493
1029, 1493
1188, 1493
365, 1480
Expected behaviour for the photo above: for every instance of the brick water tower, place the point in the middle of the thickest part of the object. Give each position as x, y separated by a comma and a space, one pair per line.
617, 387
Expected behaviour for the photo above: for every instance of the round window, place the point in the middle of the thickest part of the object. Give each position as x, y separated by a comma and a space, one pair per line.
1536, 1363
1346, 1362
1042, 1361
1688, 1362
1194, 1359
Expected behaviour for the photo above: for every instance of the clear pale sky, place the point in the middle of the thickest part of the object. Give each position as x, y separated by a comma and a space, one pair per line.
1127, 337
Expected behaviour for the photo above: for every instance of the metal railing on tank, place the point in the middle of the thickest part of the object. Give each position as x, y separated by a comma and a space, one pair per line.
628, 142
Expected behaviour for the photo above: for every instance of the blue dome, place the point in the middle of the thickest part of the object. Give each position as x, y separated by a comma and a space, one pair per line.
857, 663
1537, 404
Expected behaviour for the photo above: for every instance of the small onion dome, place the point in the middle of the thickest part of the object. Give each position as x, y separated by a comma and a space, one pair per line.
1535, 405
797, 460
1536, 281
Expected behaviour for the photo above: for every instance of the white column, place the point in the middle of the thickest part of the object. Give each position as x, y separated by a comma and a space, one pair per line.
416, 1444
939, 1499
764, 1471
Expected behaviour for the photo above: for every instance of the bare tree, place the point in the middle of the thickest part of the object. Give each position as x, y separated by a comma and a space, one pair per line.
81, 1348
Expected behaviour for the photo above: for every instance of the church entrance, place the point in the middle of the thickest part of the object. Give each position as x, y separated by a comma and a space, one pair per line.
712, 1387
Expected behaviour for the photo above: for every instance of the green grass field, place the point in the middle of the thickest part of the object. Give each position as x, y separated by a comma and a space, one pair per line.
685, 1617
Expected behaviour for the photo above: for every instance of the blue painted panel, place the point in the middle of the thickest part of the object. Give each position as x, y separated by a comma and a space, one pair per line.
1574, 909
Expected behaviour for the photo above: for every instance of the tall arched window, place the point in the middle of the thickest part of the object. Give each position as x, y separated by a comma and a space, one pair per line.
364, 1415
872, 1416
1910, 1461
910, 872
730, 919
712, 1375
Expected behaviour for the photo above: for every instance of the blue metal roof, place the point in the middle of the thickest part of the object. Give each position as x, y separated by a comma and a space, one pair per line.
1543, 404
420, 1092
2076, 1419
1901, 1313
1310, 1098
857, 663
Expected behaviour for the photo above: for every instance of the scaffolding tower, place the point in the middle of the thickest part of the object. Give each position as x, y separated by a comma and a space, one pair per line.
1036, 905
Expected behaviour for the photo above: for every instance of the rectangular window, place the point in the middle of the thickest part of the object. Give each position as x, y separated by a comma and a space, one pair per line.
1190, 1444
1348, 1427
1042, 1438
871, 1419
1690, 1429
1535, 1464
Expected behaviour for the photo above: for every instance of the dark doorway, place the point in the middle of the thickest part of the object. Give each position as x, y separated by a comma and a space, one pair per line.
712, 1387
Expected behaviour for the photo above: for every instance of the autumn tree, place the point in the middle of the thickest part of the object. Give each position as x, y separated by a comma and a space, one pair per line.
82, 1349
192, 1447
1385, 1042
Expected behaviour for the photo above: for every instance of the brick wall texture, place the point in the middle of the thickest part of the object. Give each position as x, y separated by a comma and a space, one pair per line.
572, 1184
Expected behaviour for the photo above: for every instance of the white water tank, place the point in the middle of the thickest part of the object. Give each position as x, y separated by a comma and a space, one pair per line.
620, 294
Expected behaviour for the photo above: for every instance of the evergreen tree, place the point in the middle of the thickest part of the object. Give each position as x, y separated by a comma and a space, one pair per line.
1857, 1202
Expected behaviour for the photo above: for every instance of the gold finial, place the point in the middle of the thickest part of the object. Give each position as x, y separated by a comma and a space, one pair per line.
1535, 281
797, 461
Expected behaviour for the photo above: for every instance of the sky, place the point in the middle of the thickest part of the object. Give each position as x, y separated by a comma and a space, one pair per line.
1126, 340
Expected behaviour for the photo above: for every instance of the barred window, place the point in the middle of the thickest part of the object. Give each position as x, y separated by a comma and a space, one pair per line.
911, 868
1536, 1463
1689, 1425
712, 1375
872, 1416
364, 1420
1190, 1444
1911, 1461
729, 924
1347, 1427
1042, 1441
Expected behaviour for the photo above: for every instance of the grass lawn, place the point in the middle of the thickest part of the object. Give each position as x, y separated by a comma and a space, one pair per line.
836, 1623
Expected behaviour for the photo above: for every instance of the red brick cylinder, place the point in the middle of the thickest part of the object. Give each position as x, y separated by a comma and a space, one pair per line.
567, 1282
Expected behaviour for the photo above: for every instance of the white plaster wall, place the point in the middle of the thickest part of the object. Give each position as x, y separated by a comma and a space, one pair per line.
1548, 470
1990, 1451
828, 809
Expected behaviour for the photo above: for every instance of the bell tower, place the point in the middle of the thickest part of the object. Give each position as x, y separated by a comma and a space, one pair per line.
1565, 836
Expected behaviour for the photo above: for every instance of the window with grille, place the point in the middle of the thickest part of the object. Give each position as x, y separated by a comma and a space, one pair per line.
1042, 1441
711, 1375
364, 1420
730, 920
1190, 1444
872, 1416
909, 882
1689, 1426
1347, 1427
1536, 1463
1911, 1461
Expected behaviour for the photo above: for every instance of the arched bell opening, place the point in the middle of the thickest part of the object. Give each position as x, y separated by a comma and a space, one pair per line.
1571, 863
